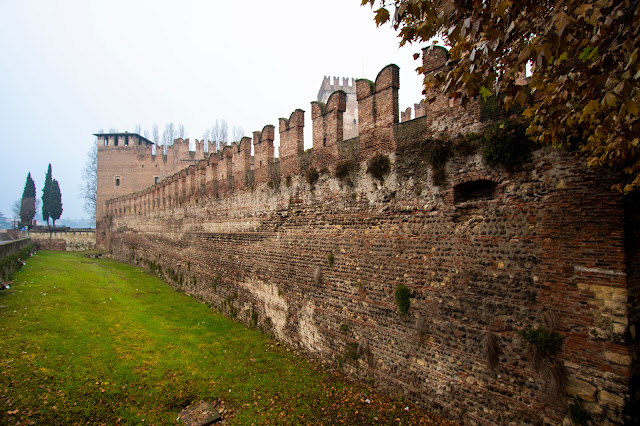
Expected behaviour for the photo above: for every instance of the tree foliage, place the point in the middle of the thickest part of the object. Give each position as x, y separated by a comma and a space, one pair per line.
584, 57
46, 196
28, 201
56, 202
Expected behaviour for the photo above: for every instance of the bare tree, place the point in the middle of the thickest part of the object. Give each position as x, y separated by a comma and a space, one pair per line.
113, 130
89, 183
168, 136
224, 132
181, 132
146, 134
138, 129
237, 132
156, 134
205, 135
215, 133
15, 208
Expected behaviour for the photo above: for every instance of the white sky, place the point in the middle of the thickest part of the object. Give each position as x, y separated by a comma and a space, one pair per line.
69, 68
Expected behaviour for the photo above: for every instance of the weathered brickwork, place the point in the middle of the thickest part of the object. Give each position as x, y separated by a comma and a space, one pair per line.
486, 255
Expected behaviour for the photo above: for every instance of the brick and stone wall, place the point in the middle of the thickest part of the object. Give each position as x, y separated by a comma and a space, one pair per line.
64, 239
486, 255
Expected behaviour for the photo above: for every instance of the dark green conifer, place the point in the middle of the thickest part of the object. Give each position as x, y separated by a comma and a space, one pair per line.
28, 202
56, 202
46, 196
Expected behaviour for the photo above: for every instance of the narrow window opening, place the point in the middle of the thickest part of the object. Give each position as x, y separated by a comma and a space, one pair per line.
117, 181
156, 179
324, 141
115, 141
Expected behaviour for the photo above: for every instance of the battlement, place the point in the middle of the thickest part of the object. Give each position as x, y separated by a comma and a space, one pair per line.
121, 140
378, 119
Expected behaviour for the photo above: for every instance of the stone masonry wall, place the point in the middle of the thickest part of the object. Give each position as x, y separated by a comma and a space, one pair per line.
71, 239
486, 255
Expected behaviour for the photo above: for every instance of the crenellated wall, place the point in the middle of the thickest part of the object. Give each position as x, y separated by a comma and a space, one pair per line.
486, 255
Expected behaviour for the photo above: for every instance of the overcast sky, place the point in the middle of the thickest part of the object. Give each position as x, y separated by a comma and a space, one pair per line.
69, 68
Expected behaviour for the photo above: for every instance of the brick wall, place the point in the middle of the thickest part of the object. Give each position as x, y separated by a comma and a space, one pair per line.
486, 255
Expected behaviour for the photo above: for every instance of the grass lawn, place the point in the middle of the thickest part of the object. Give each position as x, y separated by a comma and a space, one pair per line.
97, 341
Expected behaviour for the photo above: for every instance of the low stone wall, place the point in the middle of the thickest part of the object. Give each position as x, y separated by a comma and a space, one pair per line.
8, 259
64, 239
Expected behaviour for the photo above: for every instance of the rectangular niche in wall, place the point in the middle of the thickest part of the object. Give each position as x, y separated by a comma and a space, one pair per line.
475, 190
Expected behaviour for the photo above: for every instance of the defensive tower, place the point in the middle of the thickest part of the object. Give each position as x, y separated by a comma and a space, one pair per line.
348, 86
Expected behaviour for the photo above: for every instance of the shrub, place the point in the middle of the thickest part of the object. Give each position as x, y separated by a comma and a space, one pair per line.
438, 153
379, 166
254, 318
468, 144
344, 169
312, 176
506, 144
331, 258
403, 298
490, 349
579, 414
351, 352
547, 343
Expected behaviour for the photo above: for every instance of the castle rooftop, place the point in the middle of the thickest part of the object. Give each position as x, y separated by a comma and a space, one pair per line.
142, 138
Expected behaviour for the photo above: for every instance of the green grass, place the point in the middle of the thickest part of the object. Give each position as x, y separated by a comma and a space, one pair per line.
97, 341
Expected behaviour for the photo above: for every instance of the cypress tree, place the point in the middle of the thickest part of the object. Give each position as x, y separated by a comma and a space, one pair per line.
28, 202
46, 196
56, 202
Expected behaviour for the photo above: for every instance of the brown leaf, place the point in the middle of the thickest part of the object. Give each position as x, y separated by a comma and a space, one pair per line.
560, 21
610, 99
382, 16
582, 9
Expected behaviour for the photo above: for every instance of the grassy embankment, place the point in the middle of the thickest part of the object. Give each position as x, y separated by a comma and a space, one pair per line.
96, 341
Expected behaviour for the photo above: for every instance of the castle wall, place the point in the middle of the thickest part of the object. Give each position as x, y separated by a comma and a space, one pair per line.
132, 163
486, 255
